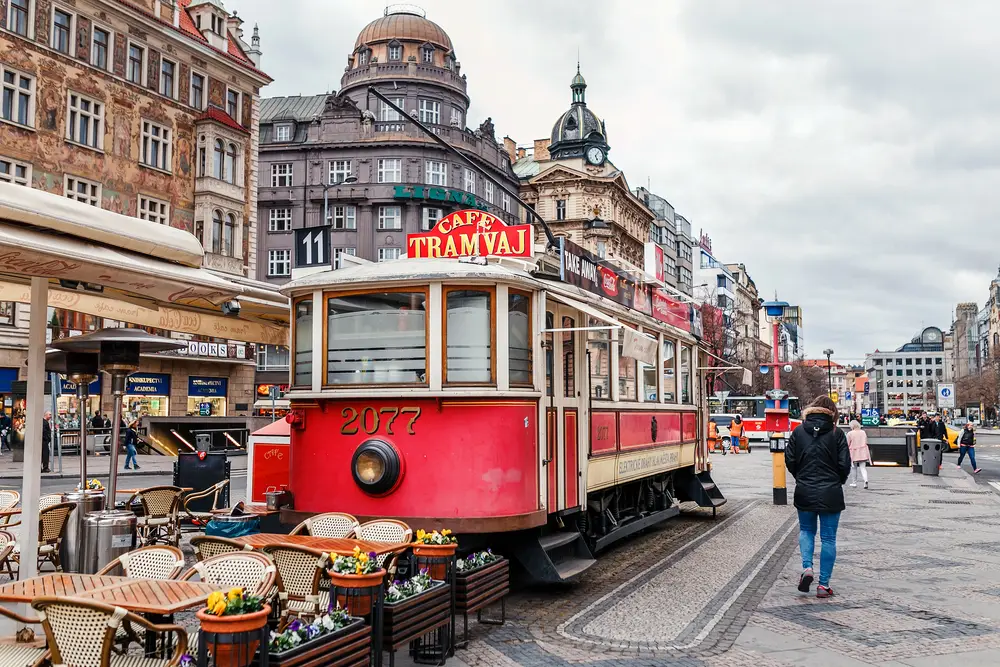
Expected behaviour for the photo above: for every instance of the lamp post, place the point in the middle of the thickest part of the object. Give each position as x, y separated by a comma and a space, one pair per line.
776, 418
829, 372
326, 194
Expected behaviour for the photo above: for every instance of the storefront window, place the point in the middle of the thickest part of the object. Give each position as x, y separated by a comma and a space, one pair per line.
65, 323
378, 338
626, 373
519, 337
599, 349
303, 342
207, 396
68, 404
146, 394
469, 336
686, 375
669, 371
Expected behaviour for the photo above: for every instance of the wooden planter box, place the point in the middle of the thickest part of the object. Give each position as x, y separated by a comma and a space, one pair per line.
347, 647
479, 588
405, 621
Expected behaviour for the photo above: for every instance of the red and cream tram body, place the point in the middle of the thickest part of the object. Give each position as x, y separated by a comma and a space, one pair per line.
493, 398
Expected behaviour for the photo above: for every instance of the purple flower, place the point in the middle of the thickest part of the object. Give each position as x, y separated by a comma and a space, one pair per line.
424, 570
396, 582
187, 661
295, 625
312, 631
372, 555
471, 557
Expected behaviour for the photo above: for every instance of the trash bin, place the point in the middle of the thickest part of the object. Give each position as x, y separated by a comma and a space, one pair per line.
930, 450
87, 501
233, 526
108, 535
913, 451
203, 442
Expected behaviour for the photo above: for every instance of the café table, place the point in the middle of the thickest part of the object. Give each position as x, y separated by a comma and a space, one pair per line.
343, 546
59, 584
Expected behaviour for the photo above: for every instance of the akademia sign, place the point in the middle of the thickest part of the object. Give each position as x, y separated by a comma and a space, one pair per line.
471, 233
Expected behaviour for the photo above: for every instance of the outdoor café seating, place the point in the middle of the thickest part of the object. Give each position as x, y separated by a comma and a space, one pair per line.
160, 520
9, 499
252, 571
299, 573
51, 529
48, 500
158, 561
330, 524
207, 546
195, 519
28, 654
389, 531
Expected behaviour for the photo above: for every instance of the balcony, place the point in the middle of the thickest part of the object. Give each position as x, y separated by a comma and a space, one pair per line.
393, 71
206, 185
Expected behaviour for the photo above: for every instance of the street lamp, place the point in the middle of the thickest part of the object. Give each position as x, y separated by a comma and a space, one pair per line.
351, 178
829, 372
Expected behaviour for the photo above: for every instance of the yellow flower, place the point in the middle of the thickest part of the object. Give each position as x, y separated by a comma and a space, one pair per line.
219, 609
357, 550
214, 599
446, 532
363, 558
421, 534
235, 593
357, 569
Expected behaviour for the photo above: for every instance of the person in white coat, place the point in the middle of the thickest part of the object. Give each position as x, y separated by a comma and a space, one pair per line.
857, 442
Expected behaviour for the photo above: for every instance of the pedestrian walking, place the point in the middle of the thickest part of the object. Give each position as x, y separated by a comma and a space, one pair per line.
46, 439
106, 423
818, 456
725, 439
131, 437
736, 433
967, 445
941, 432
857, 442
6, 424
97, 421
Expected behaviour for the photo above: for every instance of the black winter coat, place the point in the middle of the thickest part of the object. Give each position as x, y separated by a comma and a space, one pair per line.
968, 438
940, 431
820, 461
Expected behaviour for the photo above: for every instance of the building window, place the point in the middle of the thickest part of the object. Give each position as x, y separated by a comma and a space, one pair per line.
233, 104
395, 52
343, 217
387, 113
339, 171
231, 164
470, 181
100, 45
468, 336
602, 249
430, 218
18, 97
223, 233
430, 112
62, 30
560, 209
83, 190
154, 210
283, 132
217, 225
281, 175
12, 171
197, 91
505, 202
363, 57
279, 220
386, 254
229, 236
390, 217
338, 253
156, 146
85, 121
456, 117
487, 191
427, 55
167, 70
136, 64
272, 357
279, 262
18, 19
390, 170
436, 173
219, 160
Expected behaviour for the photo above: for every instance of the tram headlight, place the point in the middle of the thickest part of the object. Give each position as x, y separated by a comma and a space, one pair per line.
376, 467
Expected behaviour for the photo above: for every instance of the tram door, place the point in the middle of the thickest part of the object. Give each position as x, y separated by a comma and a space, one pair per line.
564, 412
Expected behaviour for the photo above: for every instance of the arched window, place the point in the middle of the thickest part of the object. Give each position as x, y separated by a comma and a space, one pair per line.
231, 164
219, 164
202, 159
228, 235
217, 226
363, 57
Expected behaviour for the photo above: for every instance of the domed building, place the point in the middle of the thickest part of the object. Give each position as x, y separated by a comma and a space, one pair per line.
351, 162
580, 193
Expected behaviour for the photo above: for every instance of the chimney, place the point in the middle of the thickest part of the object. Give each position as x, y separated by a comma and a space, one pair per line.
234, 25
177, 14
521, 153
542, 149
511, 148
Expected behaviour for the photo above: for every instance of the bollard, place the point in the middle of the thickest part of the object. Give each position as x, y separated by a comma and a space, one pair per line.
777, 447
913, 450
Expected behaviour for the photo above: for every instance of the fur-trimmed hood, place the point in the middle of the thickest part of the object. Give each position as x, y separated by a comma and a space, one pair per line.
817, 411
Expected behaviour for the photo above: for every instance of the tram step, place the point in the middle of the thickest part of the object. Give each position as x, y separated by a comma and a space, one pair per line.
556, 557
699, 488
574, 566
556, 540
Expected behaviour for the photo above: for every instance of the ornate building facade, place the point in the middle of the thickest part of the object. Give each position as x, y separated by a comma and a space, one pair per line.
348, 161
572, 184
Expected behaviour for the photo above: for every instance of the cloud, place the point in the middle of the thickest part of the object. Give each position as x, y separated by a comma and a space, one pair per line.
846, 152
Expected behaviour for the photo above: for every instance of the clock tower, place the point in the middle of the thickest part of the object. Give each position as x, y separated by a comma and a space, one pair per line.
579, 133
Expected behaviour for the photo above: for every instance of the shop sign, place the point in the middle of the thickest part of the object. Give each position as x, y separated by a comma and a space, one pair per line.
438, 194
148, 384
205, 386
264, 390
471, 233
67, 388
671, 311
653, 256
639, 346
197, 348
580, 267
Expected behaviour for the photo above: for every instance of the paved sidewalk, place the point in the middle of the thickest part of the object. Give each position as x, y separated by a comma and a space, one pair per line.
97, 466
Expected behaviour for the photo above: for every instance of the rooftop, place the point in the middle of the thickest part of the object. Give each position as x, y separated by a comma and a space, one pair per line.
297, 108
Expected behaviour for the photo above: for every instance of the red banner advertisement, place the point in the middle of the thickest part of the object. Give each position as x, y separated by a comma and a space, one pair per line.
471, 233
671, 311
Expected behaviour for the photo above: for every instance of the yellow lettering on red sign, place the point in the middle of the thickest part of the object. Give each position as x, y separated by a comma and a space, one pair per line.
471, 233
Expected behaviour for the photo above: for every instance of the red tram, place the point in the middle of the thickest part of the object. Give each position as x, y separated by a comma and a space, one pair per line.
501, 397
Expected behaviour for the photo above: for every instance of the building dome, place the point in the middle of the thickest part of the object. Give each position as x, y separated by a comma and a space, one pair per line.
579, 123
405, 23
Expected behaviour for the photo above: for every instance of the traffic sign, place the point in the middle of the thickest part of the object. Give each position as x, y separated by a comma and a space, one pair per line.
867, 387
869, 417
946, 396
312, 246
847, 396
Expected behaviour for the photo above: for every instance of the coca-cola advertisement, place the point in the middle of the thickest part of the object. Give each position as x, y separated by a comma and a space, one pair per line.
587, 271
671, 311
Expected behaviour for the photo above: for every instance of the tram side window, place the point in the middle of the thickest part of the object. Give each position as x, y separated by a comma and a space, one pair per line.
669, 371
519, 337
550, 323
686, 375
647, 373
569, 357
599, 348
626, 373
303, 342
469, 336
378, 338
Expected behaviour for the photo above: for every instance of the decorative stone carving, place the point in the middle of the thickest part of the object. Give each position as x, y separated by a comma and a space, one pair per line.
340, 104
367, 123
487, 130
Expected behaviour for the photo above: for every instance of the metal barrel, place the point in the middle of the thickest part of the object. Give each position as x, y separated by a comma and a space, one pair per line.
87, 501
108, 534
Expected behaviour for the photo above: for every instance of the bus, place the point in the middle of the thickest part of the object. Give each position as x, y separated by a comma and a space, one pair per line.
751, 408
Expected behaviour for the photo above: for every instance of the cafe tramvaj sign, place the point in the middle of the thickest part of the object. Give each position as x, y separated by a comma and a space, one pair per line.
471, 233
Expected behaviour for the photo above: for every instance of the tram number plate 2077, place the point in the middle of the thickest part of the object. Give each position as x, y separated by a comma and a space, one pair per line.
374, 420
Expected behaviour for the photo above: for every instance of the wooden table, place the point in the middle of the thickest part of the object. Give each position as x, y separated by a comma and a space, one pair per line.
154, 597
60, 584
339, 545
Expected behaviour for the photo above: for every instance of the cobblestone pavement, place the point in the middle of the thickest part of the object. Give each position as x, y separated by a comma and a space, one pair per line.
916, 586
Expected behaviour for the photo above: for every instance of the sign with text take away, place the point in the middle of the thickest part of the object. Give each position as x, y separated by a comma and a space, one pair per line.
471, 233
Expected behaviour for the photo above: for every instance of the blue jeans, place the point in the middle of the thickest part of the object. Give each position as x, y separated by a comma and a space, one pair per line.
736, 441
828, 522
971, 451
130, 455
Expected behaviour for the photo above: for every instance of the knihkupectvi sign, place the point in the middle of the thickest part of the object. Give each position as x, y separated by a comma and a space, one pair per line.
207, 386
471, 233
147, 384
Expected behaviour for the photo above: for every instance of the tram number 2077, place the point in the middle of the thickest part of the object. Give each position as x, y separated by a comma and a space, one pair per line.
373, 420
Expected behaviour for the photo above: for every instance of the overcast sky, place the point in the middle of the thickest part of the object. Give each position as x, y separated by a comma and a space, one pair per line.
847, 152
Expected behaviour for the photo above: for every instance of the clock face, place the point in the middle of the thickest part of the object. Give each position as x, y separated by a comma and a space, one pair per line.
595, 155
932, 335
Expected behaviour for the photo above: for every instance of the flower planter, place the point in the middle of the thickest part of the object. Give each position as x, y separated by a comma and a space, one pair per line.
412, 618
437, 551
477, 589
227, 647
347, 647
357, 601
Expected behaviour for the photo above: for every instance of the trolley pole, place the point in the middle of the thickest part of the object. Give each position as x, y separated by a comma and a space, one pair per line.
776, 418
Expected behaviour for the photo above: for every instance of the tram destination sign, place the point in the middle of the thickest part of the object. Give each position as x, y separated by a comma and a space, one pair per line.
471, 233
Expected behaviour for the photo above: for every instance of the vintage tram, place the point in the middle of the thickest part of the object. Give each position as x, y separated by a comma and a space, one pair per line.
548, 400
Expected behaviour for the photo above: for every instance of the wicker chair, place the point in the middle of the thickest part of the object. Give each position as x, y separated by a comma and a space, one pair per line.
197, 519
160, 523
156, 562
82, 633
331, 524
49, 500
22, 654
252, 571
9, 500
389, 531
51, 527
299, 574
206, 547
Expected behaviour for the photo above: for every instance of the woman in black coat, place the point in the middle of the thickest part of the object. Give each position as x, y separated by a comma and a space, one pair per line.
819, 459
